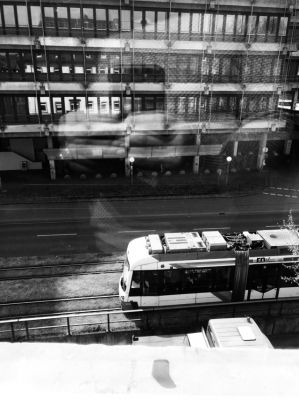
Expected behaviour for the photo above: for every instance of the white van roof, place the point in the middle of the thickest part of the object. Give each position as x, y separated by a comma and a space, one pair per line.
238, 332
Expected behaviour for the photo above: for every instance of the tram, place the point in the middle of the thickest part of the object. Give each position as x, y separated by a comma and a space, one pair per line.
208, 267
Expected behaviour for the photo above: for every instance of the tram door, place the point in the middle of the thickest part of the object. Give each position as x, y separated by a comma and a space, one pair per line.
262, 282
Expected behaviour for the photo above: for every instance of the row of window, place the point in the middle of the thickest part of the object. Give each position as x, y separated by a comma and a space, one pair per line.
32, 108
142, 67
95, 21
200, 280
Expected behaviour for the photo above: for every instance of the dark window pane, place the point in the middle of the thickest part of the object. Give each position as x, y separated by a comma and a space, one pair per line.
3, 63
273, 23
15, 62
135, 289
150, 283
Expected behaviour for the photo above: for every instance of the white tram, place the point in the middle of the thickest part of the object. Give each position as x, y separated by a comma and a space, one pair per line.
189, 268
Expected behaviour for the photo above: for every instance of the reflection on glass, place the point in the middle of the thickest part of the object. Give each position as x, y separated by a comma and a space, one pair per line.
36, 16
49, 17
9, 16
22, 16
101, 19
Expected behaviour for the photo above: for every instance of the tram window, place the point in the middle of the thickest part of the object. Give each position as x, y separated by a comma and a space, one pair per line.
288, 275
150, 283
172, 281
263, 277
135, 289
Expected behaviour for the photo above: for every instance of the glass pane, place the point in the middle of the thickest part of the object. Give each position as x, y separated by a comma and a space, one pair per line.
32, 105
185, 22
115, 105
88, 18
3, 63
113, 20
219, 23
22, 16
92, 105
137, 104
62, 17
262, 25
283, 26
251, 25
196, 23
0, 17
273, 24
215, 66
230, 24
207, 23
161, 25
240, 25
75, 18
150, 283
9, 16
49, 17
125, 20
150, 21
101, 19
57, 105
45, 105
173, 22
36, 16
138, 21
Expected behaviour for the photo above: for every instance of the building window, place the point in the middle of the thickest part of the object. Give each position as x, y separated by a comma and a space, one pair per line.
196, 23
219, 24
251, 25
9, 16
149, 21
115, 105
45, 105
161, 22
114, 64
57, 105
113, 20
92, 105
207, 24
277, 67
240, 24
88, 19
75, 18
226, 66
66, 63
78, 63
62, 17
149, 104
22, 16
49, 17
283, 26
32, 105
193, 65
54, 63
3, 63
215, 66
137, 104
205, 66
36, 16
173, 22
230, 24
262, 25
185, 22
138, 21
273, 24
101, 19
125, 20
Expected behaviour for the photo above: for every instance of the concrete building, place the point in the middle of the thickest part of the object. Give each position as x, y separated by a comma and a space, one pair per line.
86, 86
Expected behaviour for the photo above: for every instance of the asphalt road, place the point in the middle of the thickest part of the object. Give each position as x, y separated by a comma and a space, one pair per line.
106, 226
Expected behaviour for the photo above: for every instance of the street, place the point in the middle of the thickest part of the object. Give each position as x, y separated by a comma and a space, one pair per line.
105, 226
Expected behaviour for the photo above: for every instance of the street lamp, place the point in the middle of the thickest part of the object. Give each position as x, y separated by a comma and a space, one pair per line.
229, 160
131, 159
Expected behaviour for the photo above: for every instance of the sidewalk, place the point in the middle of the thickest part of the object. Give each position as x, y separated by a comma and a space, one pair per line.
35, 186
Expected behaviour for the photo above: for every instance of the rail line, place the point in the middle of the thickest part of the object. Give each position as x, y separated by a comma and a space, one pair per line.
53, 271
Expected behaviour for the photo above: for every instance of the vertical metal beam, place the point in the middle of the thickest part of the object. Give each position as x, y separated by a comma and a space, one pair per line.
27, 330
241, 272
12, 332
68, 326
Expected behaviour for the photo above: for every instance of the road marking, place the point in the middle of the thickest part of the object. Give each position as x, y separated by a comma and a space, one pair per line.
58, 234
214, 229
142, 230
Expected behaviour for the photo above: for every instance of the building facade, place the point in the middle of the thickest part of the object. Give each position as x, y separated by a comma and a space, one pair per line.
87, 85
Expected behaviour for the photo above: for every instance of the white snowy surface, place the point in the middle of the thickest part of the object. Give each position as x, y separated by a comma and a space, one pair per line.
70, 371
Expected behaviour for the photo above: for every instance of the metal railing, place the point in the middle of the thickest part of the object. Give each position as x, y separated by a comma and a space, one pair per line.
178, 318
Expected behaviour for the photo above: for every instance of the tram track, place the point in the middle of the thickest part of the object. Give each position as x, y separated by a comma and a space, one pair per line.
60, 270
56, 306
